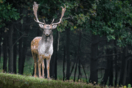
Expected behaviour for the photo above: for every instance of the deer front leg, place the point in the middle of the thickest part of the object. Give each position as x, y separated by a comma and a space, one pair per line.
43, 67
39, 66
48, 68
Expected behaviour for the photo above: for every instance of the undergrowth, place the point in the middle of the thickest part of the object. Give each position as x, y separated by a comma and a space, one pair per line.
21, 81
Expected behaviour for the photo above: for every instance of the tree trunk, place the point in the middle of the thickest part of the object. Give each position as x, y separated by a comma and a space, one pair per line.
94, 61
20, 53
64, 64
5, 53
52, 64
116, 69
68, 53
128, 78
10, 65
122, 69
0, 46
79, 55
24, 49
125, 67
75, 70
15, 53
130, 73
111, 71
107, 70
56, 56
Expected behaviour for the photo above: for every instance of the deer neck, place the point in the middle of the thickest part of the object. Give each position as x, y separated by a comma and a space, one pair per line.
47, 38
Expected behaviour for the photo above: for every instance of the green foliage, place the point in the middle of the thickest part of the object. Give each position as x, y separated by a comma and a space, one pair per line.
113, 20
110, 18
7, 13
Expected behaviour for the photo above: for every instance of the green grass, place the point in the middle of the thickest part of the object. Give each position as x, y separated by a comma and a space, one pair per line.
21, 81
29, 63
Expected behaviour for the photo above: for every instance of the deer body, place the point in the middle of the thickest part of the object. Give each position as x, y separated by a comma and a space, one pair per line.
42, 47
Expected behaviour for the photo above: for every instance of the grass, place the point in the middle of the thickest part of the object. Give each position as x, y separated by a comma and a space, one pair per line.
27, 80
21, 81
29, 63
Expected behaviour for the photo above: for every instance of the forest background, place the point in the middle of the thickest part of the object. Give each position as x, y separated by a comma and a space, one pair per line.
93, 42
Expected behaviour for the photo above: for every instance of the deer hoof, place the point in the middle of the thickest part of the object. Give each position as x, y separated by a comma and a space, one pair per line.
49, 78
35, 76
41, 77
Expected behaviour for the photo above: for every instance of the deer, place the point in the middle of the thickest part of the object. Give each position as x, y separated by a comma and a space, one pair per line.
42, 46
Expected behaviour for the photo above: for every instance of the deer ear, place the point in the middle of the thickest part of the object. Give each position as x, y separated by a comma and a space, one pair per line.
41, 25
54, 26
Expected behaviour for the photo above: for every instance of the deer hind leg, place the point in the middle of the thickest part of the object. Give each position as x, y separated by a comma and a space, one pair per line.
43, 67
48, 68
35, 63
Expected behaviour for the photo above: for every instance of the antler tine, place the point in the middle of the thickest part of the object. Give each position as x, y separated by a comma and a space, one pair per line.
52, 21
62, 14
35, 8
43, 20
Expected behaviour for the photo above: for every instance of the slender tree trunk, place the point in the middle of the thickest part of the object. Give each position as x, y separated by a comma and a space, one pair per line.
52, 64
116, 70
105, 78
75, 71
23, 51
68, 53
20, 53
64, 64
79, 55
10, 65
23, 55
122, 68
85, 73
0, 46
130, 73
15, 53
5, 53
106, 75
111, 71
15, 57
125, 67
128, 78
56, 56
94, 61
75, 61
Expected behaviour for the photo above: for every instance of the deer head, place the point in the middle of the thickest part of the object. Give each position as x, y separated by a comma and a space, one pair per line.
47, 28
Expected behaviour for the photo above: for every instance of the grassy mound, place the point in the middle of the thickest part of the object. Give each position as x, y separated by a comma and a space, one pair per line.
20, 81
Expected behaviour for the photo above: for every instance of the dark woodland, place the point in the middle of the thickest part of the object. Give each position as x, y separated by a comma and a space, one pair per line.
92, 43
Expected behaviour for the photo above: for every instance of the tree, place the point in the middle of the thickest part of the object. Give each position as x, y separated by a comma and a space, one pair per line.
116, 25
7, 14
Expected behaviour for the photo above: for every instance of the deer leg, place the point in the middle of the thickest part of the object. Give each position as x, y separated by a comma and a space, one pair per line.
39, 66
43, 67
48, 68
35, 64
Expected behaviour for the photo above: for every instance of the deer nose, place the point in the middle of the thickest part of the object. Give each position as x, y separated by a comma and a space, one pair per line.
47, 34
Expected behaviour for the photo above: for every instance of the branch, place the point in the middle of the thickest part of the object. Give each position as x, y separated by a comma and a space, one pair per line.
18, 39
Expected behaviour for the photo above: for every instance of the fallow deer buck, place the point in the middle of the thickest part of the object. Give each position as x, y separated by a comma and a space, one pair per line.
42, 47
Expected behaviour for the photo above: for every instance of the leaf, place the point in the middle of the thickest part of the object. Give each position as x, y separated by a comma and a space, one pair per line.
21, 21
72, 28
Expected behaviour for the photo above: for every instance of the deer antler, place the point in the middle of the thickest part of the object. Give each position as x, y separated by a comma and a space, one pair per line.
62, 14
35, 8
